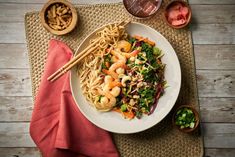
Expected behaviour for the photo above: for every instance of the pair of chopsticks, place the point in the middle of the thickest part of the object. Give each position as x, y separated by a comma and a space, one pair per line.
91, 48
65, 68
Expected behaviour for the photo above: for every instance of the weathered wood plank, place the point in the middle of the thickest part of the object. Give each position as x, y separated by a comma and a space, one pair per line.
15, 12
219, 152
115, 1
201, 13
73, 1
13, 56
219, 135
12, 32
217, 109
15, 109
15, 135
19, 152
211, 2
15, 82
214, 56
213, 33
211, 109
34, 152
213, 13
211, 83
216, 135
202, 33
216, 83
206, 56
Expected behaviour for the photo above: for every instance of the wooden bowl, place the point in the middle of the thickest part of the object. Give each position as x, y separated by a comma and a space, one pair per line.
44, 19
135, 4
172, 4
187, 130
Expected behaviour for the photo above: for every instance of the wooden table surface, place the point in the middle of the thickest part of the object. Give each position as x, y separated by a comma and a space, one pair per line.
213, 28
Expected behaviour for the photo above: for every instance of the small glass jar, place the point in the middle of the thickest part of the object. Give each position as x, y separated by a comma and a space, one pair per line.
142, 8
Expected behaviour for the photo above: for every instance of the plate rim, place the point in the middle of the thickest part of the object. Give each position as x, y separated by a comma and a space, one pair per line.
140, 130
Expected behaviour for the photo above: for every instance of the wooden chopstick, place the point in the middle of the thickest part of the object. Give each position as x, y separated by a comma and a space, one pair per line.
78, 58
72, 62
63, 71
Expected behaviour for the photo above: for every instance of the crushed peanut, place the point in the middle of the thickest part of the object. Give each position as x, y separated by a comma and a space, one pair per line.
59, 16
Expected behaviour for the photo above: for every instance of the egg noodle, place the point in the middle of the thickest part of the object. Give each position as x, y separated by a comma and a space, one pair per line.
89, 69
123, 73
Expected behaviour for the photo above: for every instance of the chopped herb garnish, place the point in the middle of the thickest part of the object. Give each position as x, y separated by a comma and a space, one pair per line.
148, 50
185, 118
132, 40
99, 98
149, 75
124, 107
156, 51
147, 97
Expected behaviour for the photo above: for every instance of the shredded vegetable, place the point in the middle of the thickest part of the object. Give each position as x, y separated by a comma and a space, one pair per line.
140, 94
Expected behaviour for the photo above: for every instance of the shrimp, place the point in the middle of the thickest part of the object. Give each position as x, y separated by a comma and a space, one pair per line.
114, 59
108, 79
117, 65
145, 40
114, 84
111, 73
124, 46
120, 63
120, 71
132, 54
115, 91
107, 102
120, 57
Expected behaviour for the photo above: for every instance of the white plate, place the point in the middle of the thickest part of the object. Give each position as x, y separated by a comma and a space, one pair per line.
114, 122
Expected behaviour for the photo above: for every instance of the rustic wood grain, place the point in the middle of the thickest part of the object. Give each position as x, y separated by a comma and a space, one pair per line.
213, 23
16, 109
213, 33
114, 1
15, 82
13, 56
213, 13
19, 152
217, 109
216, 135
73, 1
219, 152
202, 33
216, 83
211, 83
15, 135
201, 13
214, 56
34, 152
11, 12
206, 56
211, 2
219, 135
12, 33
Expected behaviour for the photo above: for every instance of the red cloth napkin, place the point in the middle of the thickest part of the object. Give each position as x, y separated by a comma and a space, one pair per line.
57, 126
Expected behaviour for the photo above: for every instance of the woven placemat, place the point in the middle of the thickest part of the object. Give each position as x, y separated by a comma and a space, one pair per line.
160, 141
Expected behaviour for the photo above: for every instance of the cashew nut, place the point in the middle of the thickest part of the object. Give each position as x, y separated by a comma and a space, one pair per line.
120, 71
115, 91
124, 79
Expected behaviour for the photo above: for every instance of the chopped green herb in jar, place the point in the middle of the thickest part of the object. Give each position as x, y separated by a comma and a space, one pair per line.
185, 118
